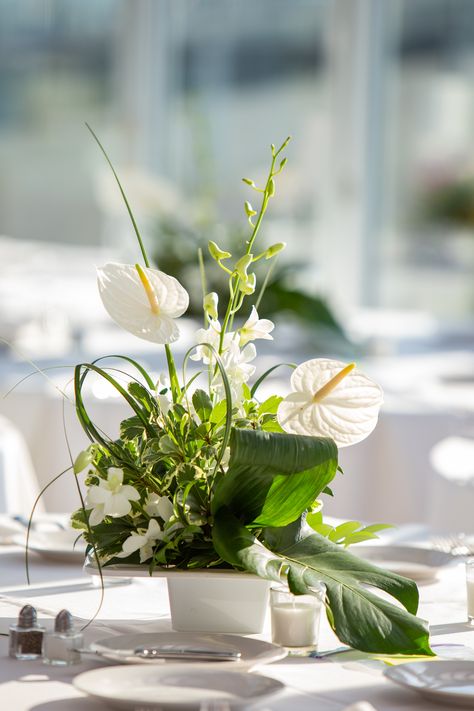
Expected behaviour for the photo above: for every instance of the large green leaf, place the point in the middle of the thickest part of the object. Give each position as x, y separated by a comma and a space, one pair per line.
272, 477
360, 618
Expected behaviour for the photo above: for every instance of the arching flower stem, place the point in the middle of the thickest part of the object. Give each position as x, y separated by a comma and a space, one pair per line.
174, 382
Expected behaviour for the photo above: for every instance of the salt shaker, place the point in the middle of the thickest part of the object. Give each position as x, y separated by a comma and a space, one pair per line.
26, 637
60, 647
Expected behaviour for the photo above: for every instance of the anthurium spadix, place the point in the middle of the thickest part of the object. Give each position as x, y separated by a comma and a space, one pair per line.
331, 399
141, 300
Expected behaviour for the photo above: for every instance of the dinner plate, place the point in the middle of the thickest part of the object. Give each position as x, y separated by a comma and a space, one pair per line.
420, 564
446, 682
58, 545
253, 651
175, 687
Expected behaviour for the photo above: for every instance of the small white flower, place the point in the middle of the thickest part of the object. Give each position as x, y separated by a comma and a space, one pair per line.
255, 327
143, 540
210, 304
211, 336
110, 497
331, 399
161, 506
144, 301
163, 393
238, 368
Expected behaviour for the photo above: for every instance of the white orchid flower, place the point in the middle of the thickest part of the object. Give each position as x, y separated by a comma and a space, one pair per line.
161, 506
144, 301
211, 336
210, 304
331, 399
255, 327
143, 540
237, 365
110, 497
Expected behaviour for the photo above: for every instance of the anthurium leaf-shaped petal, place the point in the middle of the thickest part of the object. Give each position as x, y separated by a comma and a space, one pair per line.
147, 312
347, 412
272, 477
358, 616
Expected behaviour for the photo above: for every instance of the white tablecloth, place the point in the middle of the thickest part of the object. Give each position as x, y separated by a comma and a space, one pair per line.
312, 685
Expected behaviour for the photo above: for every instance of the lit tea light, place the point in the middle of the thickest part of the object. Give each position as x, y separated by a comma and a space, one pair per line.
470, 589
295, 618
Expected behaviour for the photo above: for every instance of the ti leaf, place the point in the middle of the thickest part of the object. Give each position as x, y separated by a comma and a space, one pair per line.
358, 616
272, 478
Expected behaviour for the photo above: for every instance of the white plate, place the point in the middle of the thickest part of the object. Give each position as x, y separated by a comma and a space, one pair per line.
446, 682
420, 564
175, 687
253, 651
57, 545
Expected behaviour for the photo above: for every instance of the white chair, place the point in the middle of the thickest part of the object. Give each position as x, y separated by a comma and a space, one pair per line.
18, 482
453, 487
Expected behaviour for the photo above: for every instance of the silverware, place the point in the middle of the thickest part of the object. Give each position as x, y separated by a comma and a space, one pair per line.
455, 544
168, 651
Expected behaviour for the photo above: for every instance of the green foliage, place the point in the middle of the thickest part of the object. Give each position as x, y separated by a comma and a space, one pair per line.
346, 534
359, 617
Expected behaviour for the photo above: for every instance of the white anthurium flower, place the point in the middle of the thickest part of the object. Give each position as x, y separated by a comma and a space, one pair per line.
161, 506
143, 301
331, 399
143, 540
110, 497
255, 327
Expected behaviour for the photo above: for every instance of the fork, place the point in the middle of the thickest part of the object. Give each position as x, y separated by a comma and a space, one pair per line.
455, 544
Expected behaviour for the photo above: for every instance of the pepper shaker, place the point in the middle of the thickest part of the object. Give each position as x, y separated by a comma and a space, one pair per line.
60, 647
26, 637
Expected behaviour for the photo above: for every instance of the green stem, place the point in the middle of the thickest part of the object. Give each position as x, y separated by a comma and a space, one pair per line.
175, 389
233, 299
174, 382
129, 209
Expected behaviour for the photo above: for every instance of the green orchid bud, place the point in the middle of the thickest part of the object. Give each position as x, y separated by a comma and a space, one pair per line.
249, 182
274, 249
249, 209
283, 163
271, 187
247, 287
242, 265
216, 252
83, 460
210, 304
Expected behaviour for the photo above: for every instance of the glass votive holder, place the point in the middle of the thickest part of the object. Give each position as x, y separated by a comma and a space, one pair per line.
470, 589
295, 618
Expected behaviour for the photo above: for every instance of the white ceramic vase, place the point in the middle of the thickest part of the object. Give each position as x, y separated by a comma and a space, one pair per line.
205, 600
217, 601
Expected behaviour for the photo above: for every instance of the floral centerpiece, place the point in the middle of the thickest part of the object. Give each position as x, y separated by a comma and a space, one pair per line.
204, 474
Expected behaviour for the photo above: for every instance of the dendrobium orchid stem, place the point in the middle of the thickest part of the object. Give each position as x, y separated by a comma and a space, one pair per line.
234, 305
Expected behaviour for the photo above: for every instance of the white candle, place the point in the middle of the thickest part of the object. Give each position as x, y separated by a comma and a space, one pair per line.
295, 624
470, 599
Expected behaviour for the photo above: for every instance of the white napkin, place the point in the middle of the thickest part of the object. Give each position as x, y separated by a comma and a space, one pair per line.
360, 706
9, 528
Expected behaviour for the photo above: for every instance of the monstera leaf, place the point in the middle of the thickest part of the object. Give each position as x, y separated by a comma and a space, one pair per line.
273, 477
359, 617
259, 509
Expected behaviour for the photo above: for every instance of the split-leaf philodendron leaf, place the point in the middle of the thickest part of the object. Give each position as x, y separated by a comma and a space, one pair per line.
265, 482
